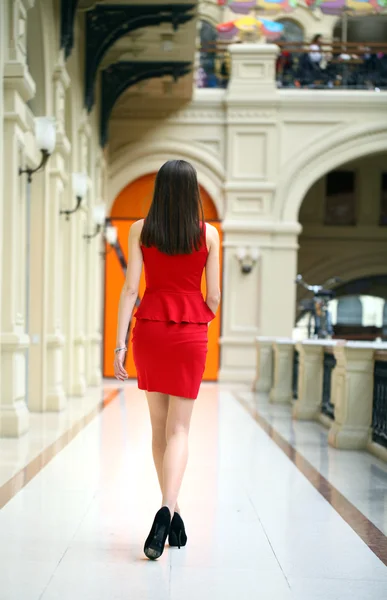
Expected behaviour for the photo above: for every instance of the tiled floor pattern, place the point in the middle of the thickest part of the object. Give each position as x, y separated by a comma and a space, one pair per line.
257, 528
359, 476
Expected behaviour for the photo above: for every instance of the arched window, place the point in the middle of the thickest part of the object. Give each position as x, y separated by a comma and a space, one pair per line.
349, 311
293, 32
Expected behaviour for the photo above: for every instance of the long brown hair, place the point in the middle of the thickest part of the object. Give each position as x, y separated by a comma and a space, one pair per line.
174, 224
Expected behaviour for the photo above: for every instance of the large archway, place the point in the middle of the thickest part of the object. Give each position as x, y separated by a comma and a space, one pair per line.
344, 233
131, 204
344, 144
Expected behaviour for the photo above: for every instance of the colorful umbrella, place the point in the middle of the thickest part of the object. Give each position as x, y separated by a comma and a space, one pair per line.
242, 7
270, 29
277, 6
245, 6
337, 7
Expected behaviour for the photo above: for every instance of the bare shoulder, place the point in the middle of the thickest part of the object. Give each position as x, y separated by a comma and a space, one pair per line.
136, 228
211, 234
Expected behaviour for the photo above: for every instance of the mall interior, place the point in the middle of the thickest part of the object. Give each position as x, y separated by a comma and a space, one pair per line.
282, 109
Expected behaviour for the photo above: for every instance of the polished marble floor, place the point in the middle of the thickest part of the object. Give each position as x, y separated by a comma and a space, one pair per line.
257, 527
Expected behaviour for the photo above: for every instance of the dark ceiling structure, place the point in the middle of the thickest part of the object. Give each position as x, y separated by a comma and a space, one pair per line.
105, 24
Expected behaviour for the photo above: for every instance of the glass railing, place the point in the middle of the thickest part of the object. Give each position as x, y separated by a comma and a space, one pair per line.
335, 66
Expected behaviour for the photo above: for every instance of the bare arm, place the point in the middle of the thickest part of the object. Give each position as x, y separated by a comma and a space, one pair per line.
212, 269
128, 295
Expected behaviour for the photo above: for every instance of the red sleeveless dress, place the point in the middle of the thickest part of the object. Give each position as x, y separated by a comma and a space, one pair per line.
170, 335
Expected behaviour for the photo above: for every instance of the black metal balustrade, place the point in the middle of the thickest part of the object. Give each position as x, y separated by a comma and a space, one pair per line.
296, 364
349, 66
327, 408
214, 67
379, 408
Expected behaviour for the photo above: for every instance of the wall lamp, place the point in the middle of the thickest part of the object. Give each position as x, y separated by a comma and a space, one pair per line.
247, 258
99, 216
111, 236
80, 185
45, 135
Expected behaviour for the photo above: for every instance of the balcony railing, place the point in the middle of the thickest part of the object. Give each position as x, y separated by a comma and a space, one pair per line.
327, 407
344, 380
379, 408
337, 66
296, 364
214, 66
341, 66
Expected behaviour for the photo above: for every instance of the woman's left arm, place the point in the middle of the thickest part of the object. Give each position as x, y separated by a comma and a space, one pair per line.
128, 296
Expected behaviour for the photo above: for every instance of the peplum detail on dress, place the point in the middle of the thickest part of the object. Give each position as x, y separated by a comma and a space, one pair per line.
174, 307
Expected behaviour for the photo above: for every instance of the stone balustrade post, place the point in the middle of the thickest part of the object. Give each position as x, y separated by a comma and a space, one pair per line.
281, 391
352, 394
264, 374
310, 377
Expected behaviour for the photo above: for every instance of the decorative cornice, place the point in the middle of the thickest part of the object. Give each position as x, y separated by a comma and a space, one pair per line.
18, 77
193, 116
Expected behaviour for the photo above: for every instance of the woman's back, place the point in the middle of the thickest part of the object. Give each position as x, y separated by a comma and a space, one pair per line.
173, 286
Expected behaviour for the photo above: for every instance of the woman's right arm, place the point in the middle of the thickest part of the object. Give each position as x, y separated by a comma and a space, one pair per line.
213, 269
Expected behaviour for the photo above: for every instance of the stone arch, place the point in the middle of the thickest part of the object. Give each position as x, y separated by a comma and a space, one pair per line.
346, 143
311, 21
138, 159
351, 268
211, 13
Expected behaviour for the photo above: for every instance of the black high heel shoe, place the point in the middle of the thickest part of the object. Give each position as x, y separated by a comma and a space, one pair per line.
154, 544
177, 535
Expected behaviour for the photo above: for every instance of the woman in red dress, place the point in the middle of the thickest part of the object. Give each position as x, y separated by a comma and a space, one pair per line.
170, 336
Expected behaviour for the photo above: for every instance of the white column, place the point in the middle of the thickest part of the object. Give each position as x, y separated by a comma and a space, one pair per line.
58, 179
264, 375
94, 336
2, 60
81, 295
255, 303
70, 262
352, 394
282, 391
18, 89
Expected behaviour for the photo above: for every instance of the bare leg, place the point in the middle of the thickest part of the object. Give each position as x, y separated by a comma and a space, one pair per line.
158, 409
176, 453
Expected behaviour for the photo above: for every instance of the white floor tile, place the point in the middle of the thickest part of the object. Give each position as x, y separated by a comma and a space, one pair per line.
253, 520
227, 584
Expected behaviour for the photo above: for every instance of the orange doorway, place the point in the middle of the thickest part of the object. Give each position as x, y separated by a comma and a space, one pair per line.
130, 205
